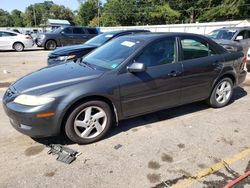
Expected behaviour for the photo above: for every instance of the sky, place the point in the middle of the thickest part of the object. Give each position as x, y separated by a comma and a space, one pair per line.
10, 5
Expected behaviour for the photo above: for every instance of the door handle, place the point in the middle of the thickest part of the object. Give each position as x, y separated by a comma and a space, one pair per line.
174, 73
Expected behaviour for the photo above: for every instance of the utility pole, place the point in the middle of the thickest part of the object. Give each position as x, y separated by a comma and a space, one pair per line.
98, 12
34, 14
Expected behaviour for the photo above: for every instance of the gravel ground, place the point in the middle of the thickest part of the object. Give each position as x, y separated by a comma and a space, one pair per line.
179, 145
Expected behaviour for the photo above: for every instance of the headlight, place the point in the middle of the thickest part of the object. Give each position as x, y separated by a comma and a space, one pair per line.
30, 100
64, 58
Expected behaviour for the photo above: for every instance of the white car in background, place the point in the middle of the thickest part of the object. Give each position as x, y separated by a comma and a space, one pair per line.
248, 60
11, 40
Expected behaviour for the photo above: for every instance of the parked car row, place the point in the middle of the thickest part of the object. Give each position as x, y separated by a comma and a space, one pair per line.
126, 77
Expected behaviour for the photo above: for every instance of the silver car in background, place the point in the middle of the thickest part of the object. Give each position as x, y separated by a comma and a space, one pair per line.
12, 40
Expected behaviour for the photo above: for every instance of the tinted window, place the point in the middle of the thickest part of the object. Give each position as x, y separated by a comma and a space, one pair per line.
193, 49
244, 34
6, 34
92, 31
159, 53
112, 54
68, 30
78, 30
100, 39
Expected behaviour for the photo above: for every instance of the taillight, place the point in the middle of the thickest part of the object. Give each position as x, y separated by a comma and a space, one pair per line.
244, 60
28, 37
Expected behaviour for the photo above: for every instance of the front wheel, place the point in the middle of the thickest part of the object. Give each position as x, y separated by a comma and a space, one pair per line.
89, 122
222, 93
50, 45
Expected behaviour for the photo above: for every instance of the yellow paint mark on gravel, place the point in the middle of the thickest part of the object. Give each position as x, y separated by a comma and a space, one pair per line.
210, 170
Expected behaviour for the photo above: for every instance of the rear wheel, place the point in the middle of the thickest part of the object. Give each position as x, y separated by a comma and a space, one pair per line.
18, 46
89, 122
222, 93
50, 45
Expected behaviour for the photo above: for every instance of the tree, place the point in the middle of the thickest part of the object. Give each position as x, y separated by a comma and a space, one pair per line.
119, 12
17, 17
5, 19
88, 11
39, 13
155, 12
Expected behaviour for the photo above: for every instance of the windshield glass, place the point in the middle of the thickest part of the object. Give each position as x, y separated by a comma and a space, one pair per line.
222, 34
100, 39
112, 54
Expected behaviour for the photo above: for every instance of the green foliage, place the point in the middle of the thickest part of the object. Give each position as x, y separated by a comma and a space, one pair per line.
88, 10
129, 12
5, 19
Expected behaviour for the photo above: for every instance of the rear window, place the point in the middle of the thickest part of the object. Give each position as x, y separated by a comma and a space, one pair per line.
92, 31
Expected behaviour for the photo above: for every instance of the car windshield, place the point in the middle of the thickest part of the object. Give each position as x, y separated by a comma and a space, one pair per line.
112, 54
100, 39
222, 34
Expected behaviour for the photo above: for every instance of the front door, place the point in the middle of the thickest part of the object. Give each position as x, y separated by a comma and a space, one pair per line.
156, 88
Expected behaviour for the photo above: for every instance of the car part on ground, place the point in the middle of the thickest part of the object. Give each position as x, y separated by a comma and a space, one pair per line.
75, 52
65, 36
127, 77
10, 40
65, 155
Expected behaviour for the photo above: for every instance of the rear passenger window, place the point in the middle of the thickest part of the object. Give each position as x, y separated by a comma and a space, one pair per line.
78, 30
92, 31
193, 49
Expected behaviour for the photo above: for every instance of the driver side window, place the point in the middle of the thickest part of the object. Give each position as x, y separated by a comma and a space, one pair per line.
159, 53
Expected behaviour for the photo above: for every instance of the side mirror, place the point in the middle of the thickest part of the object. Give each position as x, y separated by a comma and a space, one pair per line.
62, 32
136, 67
239, 38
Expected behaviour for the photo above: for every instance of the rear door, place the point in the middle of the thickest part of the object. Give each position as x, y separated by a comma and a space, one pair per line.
6, 40
67, 37
201, 66
156, 88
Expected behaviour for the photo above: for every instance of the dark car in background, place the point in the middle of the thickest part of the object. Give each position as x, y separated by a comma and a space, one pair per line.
238, 34
65, 36
127, 77
74, 52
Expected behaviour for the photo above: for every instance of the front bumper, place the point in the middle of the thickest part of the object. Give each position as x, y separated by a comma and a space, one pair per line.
24, 119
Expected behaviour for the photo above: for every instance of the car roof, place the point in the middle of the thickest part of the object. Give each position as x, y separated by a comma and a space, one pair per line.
126, 31
156, 35
234, 28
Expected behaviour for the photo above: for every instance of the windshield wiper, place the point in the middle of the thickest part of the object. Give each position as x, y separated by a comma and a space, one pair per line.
87, 64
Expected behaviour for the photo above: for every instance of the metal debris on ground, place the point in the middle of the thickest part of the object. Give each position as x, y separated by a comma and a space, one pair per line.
65, 155
118, 146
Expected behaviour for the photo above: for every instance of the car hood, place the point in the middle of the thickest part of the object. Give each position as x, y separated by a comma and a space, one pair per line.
56, 76
68, 49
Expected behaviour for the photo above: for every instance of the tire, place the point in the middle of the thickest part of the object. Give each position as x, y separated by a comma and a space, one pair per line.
18, 46
221, 94
50, 45
84, 126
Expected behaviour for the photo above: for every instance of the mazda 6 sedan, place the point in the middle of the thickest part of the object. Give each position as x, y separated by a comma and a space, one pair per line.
127, 77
